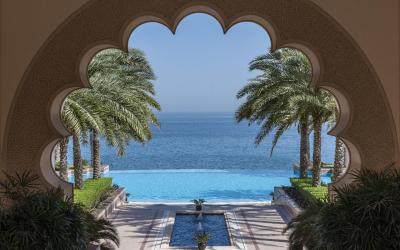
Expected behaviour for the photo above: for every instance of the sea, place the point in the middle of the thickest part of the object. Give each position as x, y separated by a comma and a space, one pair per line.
207, 141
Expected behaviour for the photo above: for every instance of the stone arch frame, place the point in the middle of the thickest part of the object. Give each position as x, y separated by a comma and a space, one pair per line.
33, 126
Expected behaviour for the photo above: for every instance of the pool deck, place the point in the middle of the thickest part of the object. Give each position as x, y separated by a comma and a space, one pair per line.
141, 224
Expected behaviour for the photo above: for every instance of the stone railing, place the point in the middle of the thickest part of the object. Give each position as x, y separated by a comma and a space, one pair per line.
107, 207
324, 169
87, 171
281, 198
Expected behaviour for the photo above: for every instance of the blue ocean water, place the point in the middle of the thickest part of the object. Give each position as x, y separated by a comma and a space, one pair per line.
207, 141
205, 155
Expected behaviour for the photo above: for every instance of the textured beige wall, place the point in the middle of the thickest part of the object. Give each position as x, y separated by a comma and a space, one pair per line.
375, 26
25, 25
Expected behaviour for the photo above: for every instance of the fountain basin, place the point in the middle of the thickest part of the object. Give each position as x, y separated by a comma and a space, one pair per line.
179, 227
187, 225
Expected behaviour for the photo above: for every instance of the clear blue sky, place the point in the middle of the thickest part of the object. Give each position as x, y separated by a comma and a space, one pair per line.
199, 69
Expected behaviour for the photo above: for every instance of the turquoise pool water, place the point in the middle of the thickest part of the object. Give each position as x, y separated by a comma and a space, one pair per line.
213, 185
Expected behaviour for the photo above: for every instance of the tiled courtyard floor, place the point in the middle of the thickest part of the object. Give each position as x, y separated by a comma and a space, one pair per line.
140, 225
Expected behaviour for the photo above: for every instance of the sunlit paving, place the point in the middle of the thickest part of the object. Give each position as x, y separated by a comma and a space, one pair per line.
223, 125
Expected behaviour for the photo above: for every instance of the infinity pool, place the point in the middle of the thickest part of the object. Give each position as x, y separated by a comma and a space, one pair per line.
212, 185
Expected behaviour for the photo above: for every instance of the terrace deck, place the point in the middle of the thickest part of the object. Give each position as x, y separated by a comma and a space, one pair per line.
261, 224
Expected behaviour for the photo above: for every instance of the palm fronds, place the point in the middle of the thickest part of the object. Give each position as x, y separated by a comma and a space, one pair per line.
43, 219
364, 215
120, 105
17, 186
280, 97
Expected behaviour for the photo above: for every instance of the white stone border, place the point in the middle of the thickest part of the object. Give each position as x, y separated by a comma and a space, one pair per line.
234, 231
116, 199
105, 169
281, 198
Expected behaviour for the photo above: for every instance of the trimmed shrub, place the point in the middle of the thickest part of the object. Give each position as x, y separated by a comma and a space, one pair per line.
85, 162
309, 193
93, 192
327, 165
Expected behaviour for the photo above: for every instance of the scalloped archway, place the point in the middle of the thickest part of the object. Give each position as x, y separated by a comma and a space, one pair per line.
34, 125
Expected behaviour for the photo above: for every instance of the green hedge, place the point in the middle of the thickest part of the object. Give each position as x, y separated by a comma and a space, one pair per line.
327, 165
310, 193
93, 192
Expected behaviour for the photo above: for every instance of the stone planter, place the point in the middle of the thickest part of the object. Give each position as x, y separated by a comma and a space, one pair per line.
201, 246
107, 207
94, 247
281, 198
89, 170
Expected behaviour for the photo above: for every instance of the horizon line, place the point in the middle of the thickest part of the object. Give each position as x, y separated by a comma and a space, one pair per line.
159, 112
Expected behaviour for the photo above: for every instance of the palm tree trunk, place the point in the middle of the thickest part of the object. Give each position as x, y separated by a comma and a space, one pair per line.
304, 148
308, 147
317, 126
57, 153
95, 155
339, 159
63, 158
78, 169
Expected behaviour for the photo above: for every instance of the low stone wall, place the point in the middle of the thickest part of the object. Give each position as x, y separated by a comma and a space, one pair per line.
117, 198
87, 171
281, 198
324, 170
94, 247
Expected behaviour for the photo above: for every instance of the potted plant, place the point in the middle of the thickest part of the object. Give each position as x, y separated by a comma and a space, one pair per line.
127, 196
202, 239
199, 204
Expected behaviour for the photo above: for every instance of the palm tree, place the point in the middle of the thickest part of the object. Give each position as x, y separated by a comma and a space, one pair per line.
304, 146
321, 106
339, 163
78, 168
310, 102
281, 97
95, 143
340, 153
126, 80
79, 116
63, 165
269, 98
119, 106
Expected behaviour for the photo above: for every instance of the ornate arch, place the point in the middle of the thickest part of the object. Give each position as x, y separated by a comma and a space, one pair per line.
34, 125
